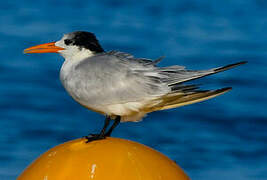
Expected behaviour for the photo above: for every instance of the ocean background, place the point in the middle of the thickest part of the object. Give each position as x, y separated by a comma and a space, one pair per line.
222, 138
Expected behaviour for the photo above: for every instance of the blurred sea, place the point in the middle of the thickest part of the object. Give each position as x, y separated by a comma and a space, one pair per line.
223, 138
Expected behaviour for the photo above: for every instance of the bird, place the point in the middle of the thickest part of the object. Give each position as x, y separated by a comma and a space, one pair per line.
121, 87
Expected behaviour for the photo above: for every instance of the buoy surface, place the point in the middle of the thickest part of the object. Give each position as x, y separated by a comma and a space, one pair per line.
108, 159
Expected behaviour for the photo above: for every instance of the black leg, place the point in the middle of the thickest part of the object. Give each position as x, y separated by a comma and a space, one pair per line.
115, 124
107, 121
101, 135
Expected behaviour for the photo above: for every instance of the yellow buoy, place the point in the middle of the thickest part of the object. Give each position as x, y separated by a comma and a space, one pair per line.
108, 159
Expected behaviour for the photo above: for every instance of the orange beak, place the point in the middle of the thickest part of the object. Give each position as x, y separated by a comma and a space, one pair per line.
43, 48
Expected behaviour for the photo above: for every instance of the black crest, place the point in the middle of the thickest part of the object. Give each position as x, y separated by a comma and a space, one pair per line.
84, 39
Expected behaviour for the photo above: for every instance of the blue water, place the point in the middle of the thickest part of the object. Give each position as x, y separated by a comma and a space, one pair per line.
223, 138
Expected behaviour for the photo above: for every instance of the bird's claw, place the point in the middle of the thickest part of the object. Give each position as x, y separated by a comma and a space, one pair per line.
94, 137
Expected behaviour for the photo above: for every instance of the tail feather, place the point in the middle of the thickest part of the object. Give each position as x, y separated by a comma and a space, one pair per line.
181, 99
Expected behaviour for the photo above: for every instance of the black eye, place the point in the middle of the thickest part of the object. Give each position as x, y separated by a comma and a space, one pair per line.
67, 41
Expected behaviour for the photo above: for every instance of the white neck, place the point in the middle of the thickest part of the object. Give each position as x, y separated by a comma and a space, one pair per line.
76, 55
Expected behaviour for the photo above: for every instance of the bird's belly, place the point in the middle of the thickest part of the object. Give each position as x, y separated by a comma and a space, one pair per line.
122, 109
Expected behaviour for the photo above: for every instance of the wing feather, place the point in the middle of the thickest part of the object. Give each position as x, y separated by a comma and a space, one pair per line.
177, 75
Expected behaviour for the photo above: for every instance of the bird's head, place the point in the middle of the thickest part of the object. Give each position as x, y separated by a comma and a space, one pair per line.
75, 45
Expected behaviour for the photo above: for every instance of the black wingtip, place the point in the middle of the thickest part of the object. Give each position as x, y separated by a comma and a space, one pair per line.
224, 68
222, 90
225, 89
243, 62
240, 63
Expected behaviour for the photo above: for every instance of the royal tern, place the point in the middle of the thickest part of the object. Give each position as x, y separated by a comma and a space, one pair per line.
120, 86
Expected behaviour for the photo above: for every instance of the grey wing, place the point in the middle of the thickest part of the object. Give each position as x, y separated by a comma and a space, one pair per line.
110, 79
116, 77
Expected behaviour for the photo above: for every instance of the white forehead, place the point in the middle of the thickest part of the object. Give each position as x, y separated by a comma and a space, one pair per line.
64, 37
61, 41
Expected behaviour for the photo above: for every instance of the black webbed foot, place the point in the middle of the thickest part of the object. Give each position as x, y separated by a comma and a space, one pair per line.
103, 134
94, 137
